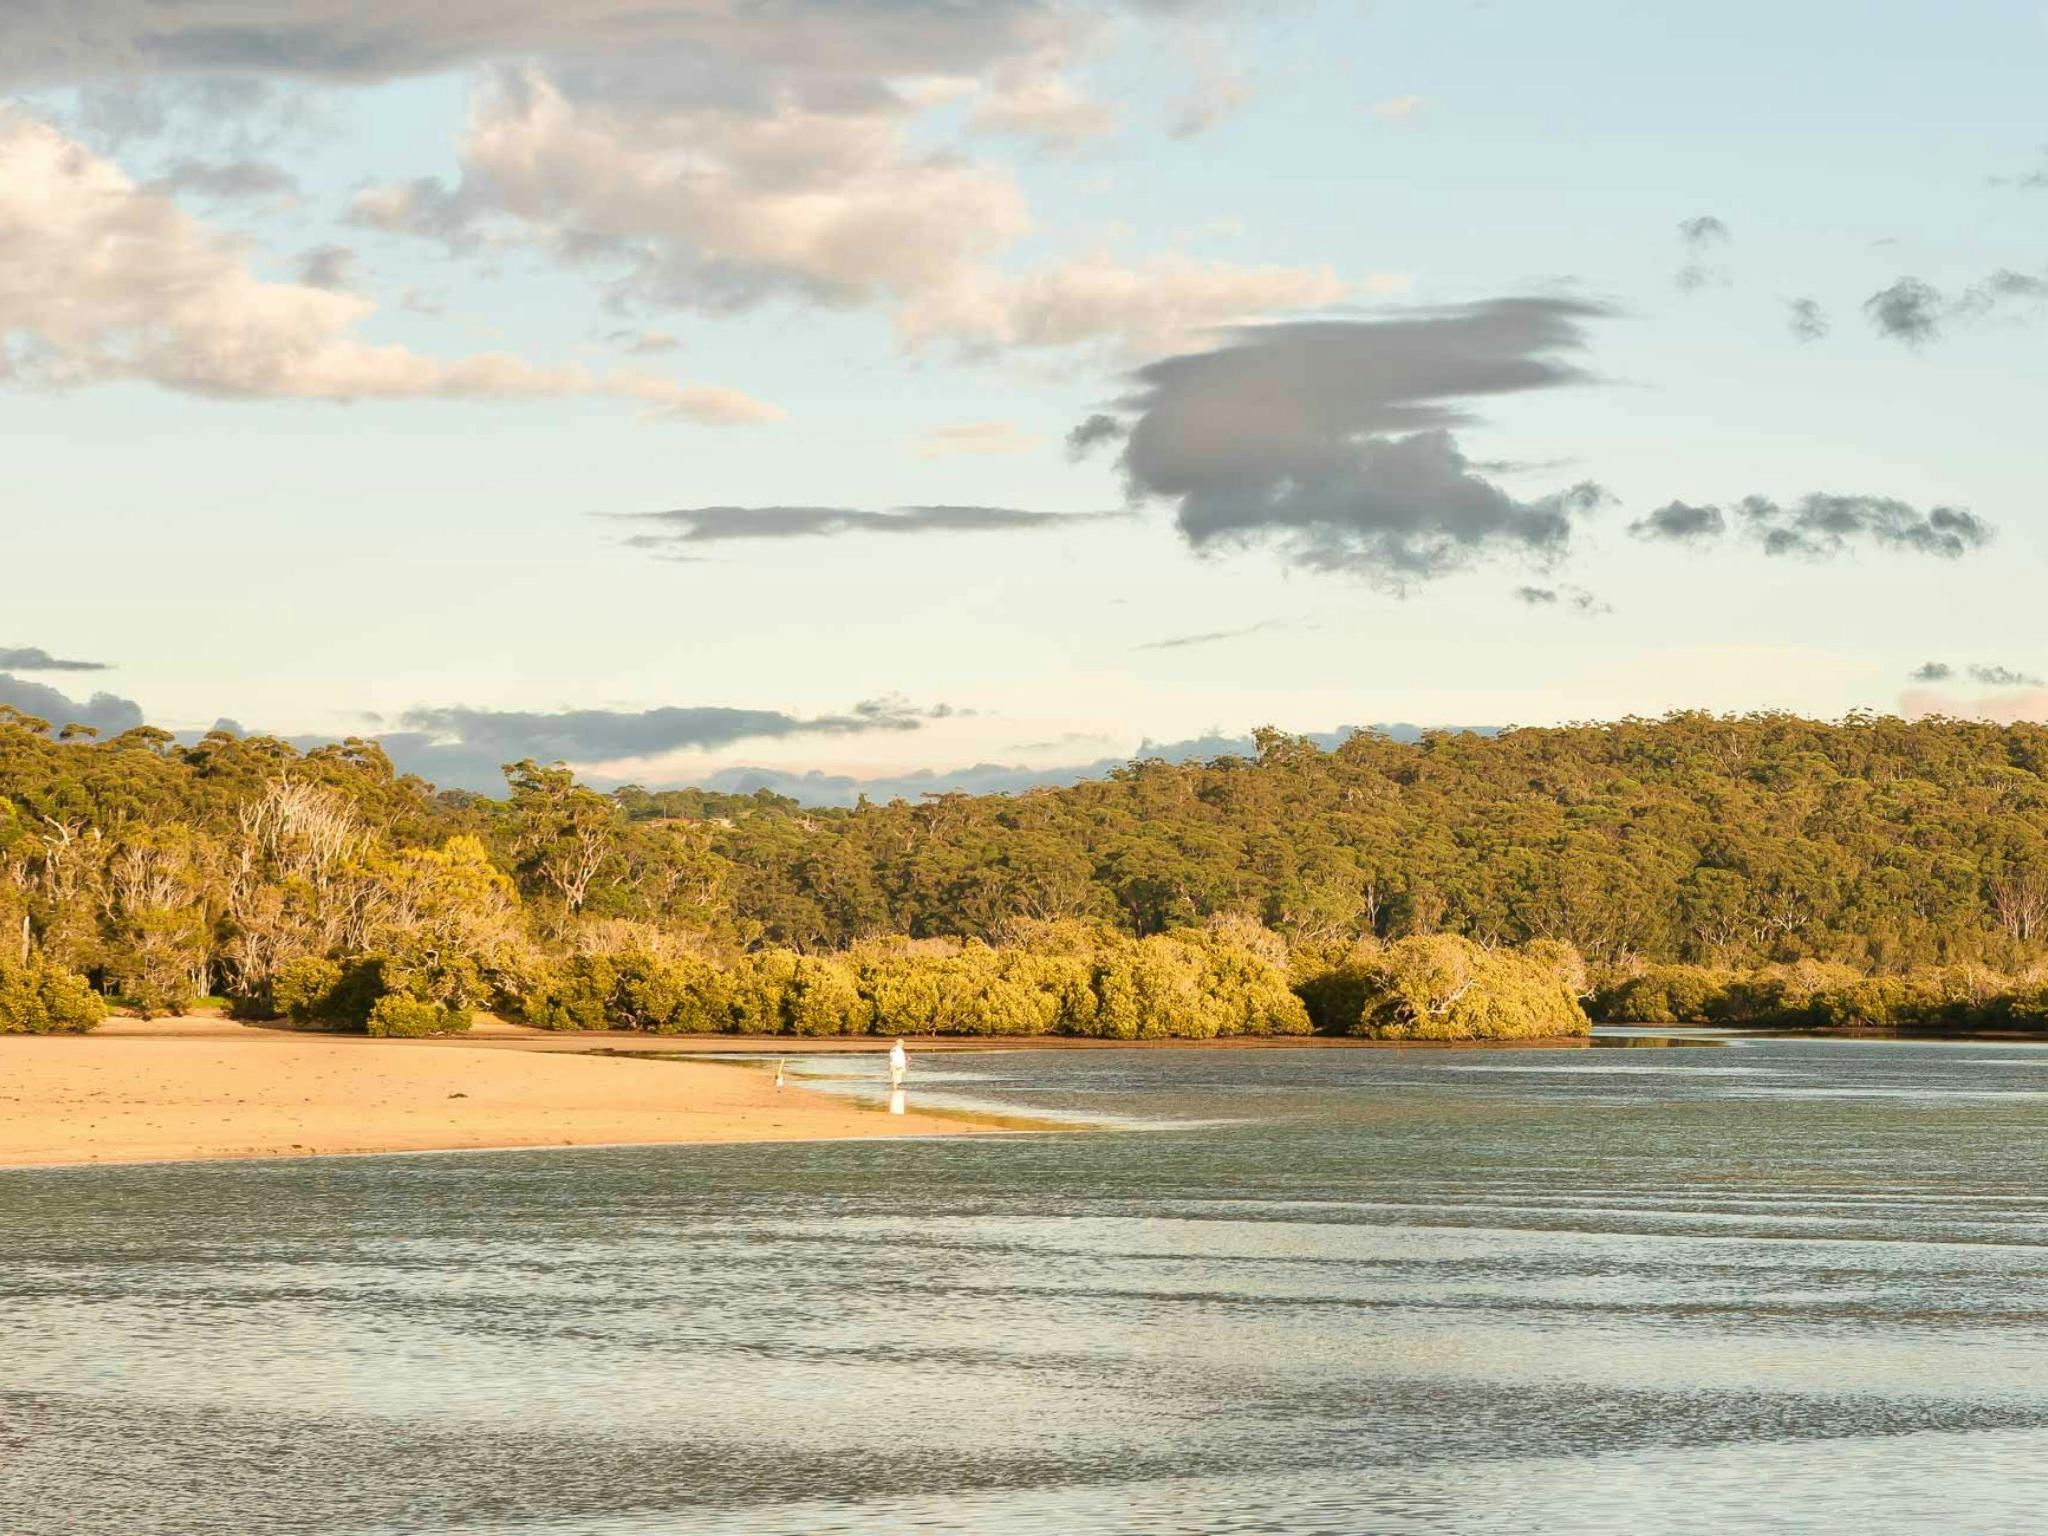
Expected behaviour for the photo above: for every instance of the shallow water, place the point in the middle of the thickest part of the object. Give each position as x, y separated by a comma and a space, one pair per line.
1778, 1286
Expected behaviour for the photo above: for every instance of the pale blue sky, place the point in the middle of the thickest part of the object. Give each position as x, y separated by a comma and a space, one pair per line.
299, 564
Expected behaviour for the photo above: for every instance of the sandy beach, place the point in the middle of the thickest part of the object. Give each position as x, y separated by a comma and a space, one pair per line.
202, 1088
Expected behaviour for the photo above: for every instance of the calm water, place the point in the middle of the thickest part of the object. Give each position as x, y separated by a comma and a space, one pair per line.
1778, 1286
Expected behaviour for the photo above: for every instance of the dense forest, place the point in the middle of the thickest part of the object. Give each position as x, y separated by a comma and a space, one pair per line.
1696, 866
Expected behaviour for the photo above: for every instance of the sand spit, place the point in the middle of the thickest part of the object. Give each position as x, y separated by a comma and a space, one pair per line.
202, 1088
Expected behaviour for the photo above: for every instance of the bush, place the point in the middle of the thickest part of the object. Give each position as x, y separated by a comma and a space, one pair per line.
41, 998
300, 988
396, 1015
1667, 994
1954, 997
338, 994
1442, 987
755, 989
631, 989
822, 999
1333, 990
573, 996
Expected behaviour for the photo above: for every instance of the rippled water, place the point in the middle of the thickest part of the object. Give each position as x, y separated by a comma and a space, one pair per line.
1777, 1286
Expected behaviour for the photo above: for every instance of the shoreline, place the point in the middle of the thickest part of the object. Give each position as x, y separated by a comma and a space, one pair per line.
204, 1089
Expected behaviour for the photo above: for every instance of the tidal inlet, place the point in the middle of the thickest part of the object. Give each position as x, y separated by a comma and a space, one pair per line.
1051, 768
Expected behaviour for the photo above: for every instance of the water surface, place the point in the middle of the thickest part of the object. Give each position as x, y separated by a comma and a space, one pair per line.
1778, 1286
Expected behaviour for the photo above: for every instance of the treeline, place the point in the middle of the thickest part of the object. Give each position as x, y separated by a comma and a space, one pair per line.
327, 884
1812, 995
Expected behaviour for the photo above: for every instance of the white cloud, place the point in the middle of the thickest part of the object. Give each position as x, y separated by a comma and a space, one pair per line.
1033, 96
977, 439
1046, 107
1217, 90
1159, 305
103, 280
714, 209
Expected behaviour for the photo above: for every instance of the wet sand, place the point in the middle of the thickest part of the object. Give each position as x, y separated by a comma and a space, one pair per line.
203, 1088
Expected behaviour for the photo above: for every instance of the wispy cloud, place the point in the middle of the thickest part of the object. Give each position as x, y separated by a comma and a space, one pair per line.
33, 658
976, 439
1700, 237
1577, 599
1807, 320
1210, 637
2004, 677
689, 526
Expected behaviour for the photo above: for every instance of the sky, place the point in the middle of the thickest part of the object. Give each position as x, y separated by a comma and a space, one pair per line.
896, 394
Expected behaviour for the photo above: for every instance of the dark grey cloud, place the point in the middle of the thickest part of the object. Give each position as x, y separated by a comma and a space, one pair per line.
1915, 312
328, 266
1700, 236
33, 658
464, 748
1093, 433
1332, 438
2001, 290
2004, 677
1910, 310
1989, 676
1209, 637
1821, 526
834, 52
227, 180
104, 712
219, 117
1577, 599
1807, 320
1520, 466
1681, 522
690, 526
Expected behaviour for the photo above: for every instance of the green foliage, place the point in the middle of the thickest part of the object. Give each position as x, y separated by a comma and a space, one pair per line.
633, 989
302, 990
40, 998
398, 1016
1708, 868
1667, 994
1442, 987
1191, 985
331, 993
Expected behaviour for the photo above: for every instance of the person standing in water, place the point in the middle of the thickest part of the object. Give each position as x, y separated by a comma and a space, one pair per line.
899, 1063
